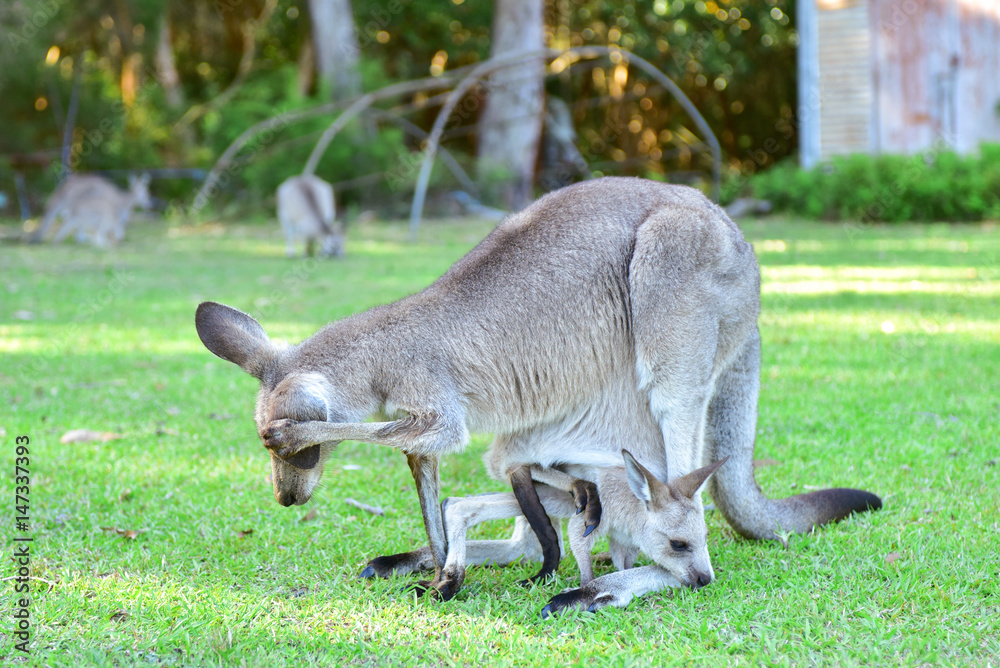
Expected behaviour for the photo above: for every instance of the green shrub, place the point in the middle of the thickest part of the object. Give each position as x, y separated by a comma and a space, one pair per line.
890, 188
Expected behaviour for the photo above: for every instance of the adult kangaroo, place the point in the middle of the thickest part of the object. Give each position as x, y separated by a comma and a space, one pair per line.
612, 301
93, 208
306, 211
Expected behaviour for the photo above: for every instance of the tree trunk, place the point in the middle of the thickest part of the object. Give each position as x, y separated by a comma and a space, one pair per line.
307, 67
166, 69
511, 123
336, 46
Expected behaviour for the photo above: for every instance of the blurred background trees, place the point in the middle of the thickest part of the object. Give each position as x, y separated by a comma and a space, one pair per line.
170, 83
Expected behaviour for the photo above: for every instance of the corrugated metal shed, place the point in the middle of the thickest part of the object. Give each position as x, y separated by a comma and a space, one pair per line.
897, 76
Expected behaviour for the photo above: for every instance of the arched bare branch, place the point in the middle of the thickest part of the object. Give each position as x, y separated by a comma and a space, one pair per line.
345, 117
462, 78
574, 54
286, 118
446, 157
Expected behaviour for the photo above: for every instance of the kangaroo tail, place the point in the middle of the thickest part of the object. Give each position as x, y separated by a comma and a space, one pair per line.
730, 431
752, 515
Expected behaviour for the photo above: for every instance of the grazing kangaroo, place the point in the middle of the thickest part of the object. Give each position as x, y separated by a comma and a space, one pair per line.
613, 310
640, 514
93, 208
306, 211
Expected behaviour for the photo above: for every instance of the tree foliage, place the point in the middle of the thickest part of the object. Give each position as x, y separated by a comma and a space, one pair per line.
735, 60
934, 185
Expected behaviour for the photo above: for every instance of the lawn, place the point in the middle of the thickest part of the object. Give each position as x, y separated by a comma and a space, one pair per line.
164, 546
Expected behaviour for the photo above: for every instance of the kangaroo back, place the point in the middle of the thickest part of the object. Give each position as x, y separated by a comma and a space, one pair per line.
97, 210
73, 188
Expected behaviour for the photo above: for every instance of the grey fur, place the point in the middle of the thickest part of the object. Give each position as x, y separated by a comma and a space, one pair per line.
307, 213
613, 311
93, 209
641, 514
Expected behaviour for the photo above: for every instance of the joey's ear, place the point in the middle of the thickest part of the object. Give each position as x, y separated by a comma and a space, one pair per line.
643, 483
689, 485
235, 337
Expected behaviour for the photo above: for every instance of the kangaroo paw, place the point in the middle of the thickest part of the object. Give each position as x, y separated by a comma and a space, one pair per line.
588, 502
282, 437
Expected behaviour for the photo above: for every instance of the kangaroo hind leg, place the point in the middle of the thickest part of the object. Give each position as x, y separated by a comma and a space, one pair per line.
694, 289
584, 492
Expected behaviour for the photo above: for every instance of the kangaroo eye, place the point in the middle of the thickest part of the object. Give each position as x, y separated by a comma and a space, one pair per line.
679, 545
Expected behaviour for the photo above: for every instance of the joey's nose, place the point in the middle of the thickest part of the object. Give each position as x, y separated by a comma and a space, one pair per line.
285, 498
702, 580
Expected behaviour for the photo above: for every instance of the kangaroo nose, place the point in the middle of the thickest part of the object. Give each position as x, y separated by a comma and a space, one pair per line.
703, 580
286, 498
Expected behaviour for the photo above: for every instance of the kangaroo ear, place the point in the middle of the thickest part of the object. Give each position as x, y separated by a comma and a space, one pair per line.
689, 485
235, 337
644, 484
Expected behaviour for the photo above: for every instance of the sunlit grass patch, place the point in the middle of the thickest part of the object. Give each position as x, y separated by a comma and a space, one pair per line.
881, 370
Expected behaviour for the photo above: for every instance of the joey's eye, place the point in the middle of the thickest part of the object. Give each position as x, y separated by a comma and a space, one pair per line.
679, 545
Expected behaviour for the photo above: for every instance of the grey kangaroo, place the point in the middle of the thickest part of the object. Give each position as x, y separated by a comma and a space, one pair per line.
93, 208
306, 211
640, 514
614, 310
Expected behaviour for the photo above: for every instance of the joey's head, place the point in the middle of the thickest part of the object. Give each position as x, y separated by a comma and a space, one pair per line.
238, 338
673, 533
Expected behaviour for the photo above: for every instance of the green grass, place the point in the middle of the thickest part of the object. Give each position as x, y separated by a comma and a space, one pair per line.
881, 370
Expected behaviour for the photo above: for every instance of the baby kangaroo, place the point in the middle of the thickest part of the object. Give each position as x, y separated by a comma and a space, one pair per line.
640, 514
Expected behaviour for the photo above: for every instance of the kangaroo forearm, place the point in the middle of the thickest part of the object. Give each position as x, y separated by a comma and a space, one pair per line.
286, 437
411, 435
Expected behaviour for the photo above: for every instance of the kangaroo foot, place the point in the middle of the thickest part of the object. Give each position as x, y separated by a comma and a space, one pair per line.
444, 589
448, 584
398, 564
541, 577
583, 598
419, 588
588, 502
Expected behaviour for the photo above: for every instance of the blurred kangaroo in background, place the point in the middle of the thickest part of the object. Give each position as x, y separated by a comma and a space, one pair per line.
93, 208
306, 210
640, 514
617, 310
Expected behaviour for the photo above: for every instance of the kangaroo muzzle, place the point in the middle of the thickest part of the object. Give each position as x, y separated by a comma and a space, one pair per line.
294, 478
698, 578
